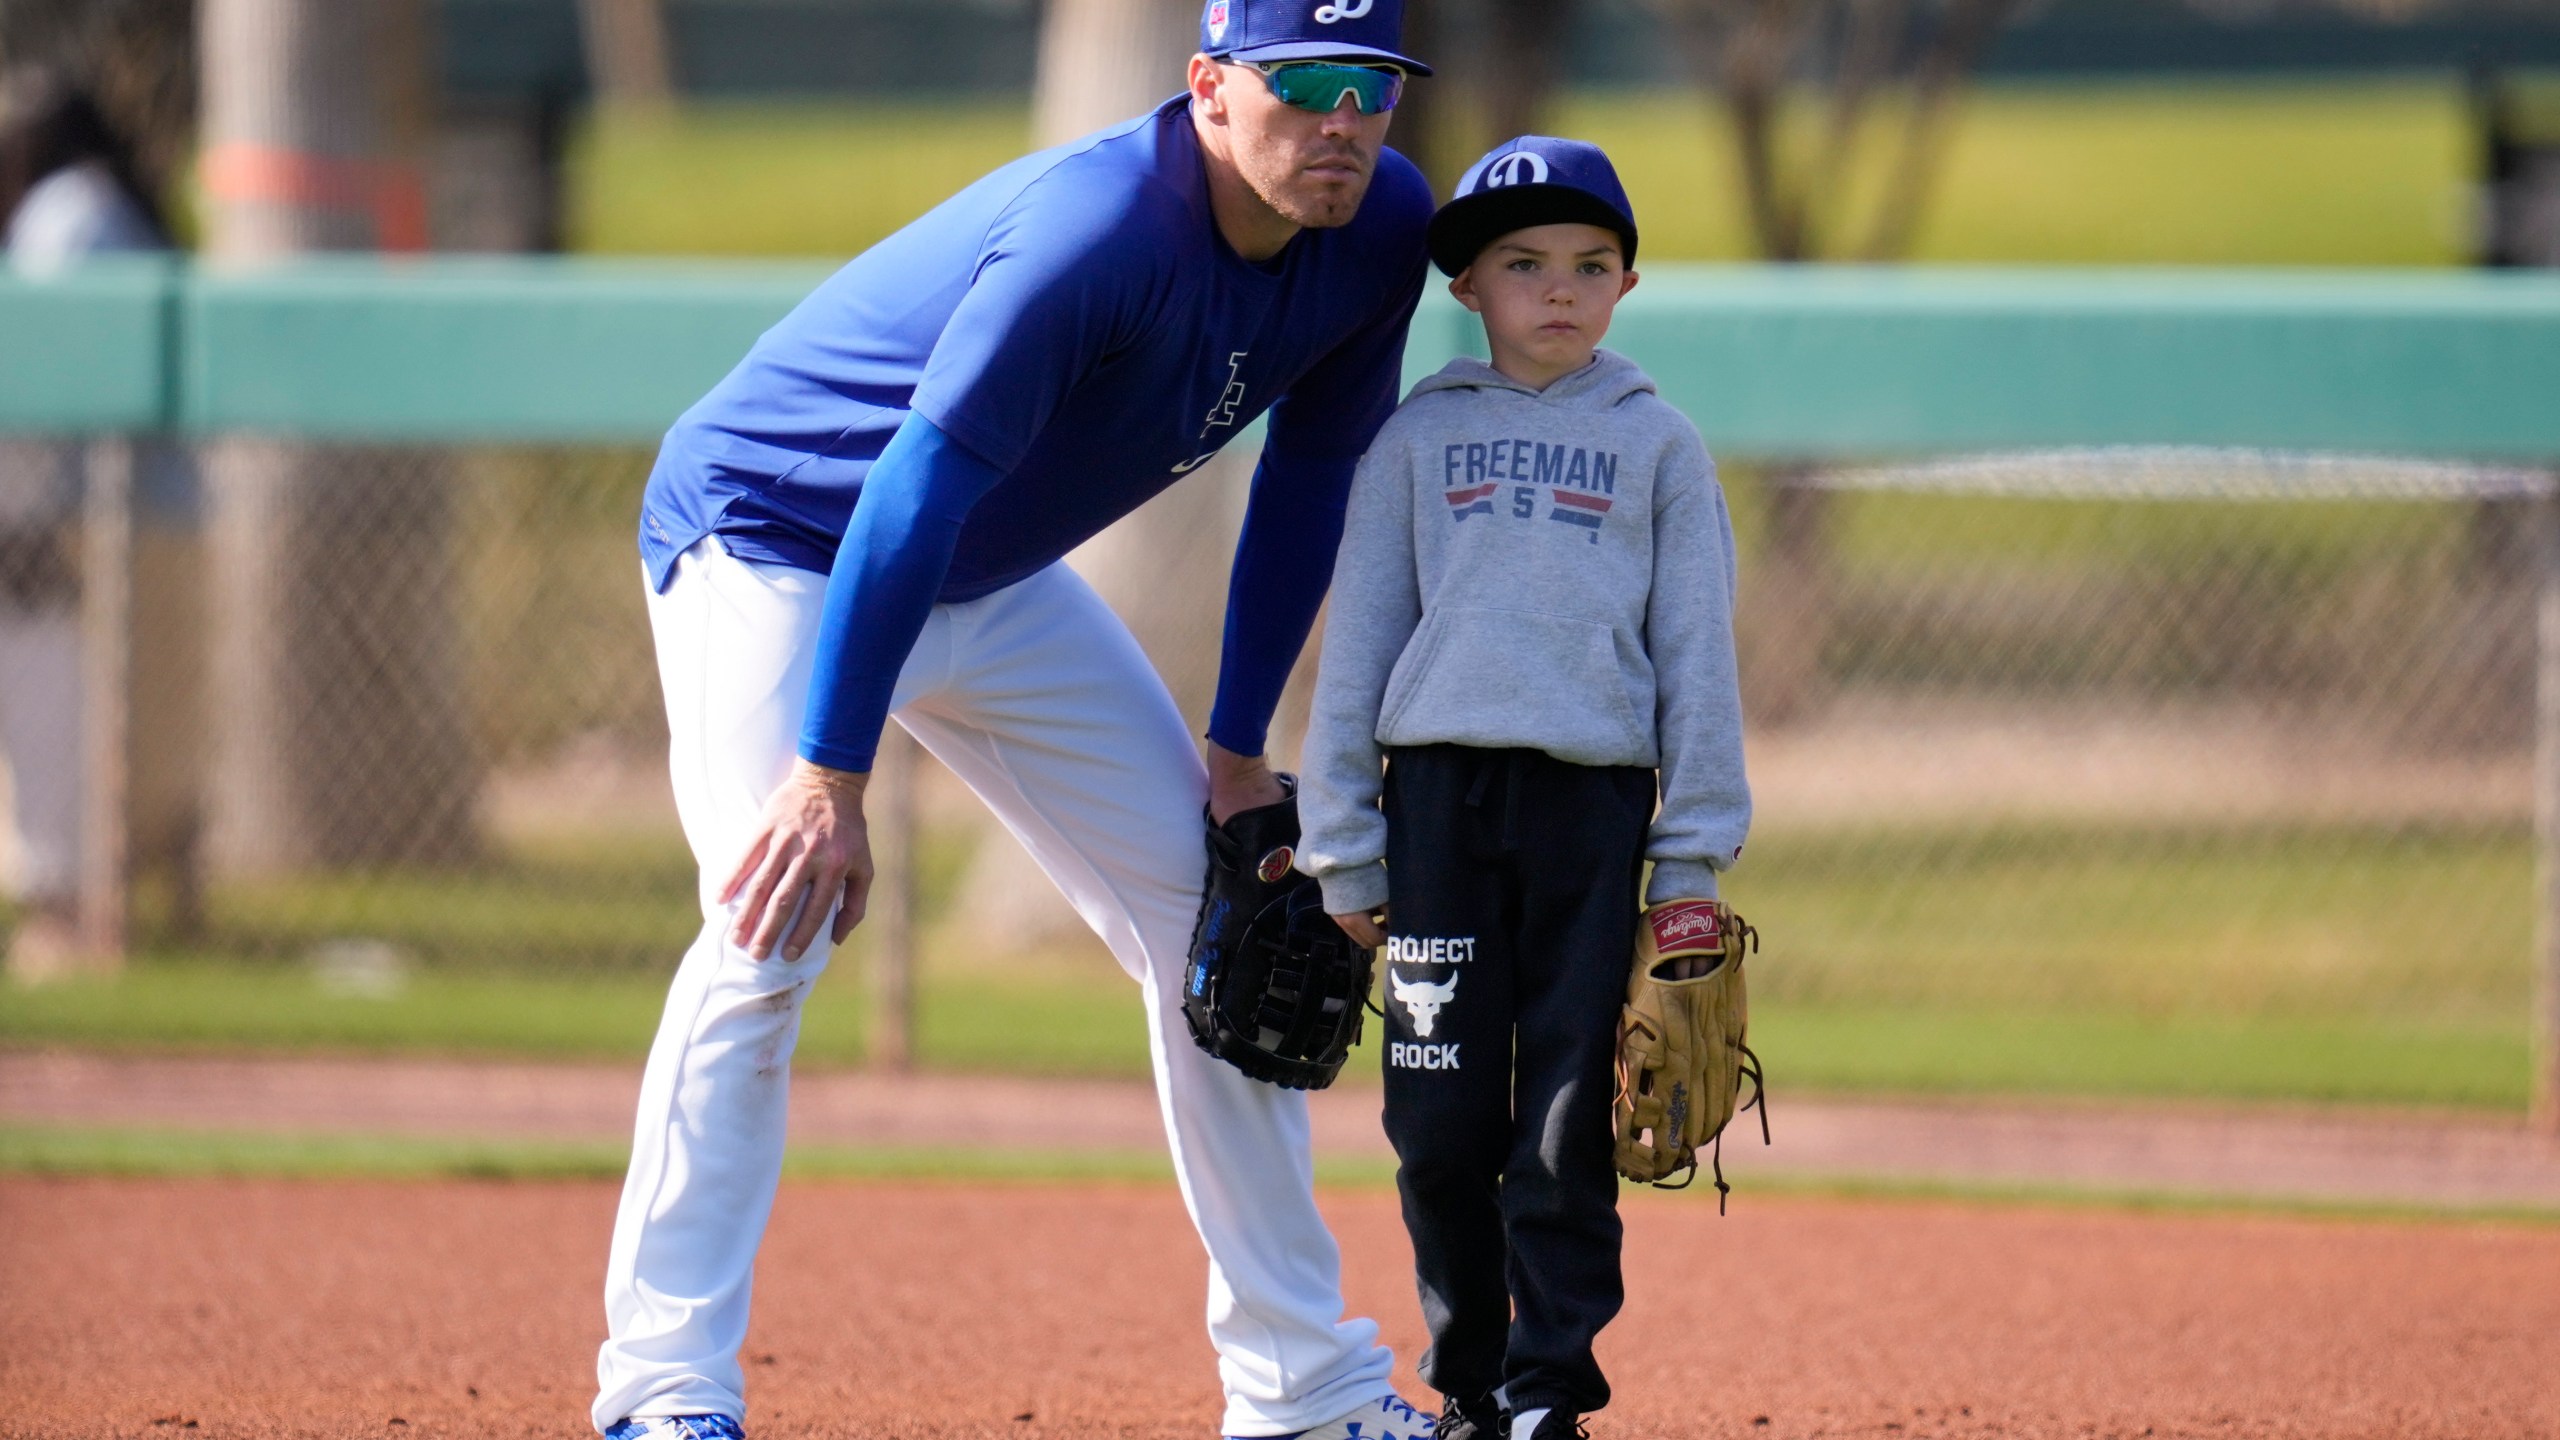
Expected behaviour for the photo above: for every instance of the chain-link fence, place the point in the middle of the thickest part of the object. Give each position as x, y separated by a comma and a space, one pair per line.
388, 706
2142, 738
2144, 731
2148, 733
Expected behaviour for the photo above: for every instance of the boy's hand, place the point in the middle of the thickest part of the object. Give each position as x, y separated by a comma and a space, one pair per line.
1366, 928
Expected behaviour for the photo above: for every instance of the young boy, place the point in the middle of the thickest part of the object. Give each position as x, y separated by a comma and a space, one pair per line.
1532, 614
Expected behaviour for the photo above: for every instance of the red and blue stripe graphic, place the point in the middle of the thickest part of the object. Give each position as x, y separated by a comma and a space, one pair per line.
1575, 508
1476, 500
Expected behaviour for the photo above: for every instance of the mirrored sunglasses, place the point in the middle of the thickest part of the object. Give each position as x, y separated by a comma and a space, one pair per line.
1319, 85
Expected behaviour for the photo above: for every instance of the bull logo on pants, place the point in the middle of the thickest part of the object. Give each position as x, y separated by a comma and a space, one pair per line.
1422, 1000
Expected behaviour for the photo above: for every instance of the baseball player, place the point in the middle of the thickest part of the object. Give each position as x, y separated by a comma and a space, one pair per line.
68, 191
865, 520
1534, 617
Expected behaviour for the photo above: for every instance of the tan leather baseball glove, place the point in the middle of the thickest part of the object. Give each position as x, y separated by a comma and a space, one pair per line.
1682, 1058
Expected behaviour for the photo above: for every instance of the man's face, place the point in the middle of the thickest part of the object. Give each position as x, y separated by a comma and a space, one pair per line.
1312, 170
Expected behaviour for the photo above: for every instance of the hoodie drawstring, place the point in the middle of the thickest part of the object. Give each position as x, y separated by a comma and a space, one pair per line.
1514, 766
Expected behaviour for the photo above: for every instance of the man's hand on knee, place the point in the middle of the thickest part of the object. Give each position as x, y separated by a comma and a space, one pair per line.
811, 849
1239, 782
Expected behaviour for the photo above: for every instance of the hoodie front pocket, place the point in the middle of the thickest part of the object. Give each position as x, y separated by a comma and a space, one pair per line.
1505, 678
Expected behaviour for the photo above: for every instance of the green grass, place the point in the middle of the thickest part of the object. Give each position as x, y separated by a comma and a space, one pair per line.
1896, 534
2309, 924
569, 905
158, 1154
2199, 172
43, 1150
1045, 1023
202, 1005
2330, 172
573, 903
2264, 965
2335, 602
1092, 1028
777, 179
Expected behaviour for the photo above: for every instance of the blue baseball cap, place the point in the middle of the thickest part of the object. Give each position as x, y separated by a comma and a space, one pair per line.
1533, 180
1361, 31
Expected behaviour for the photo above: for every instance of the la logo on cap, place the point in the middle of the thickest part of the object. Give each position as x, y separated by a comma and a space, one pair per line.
1218, 20
1520, 167
1353, 10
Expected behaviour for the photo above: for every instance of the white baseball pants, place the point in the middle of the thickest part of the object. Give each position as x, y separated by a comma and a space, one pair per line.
1038, 698
40, 704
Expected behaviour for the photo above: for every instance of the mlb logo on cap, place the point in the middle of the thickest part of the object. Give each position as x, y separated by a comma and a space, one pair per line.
1363, 32
1520, 167
1533, 180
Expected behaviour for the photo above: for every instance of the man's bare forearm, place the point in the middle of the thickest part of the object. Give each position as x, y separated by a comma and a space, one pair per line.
1239, 782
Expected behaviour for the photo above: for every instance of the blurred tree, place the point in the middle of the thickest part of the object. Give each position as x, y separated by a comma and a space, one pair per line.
1105, 61
336, 684
1526, 41
1499, 64
315, 118
1421, 131
1865, 67
1857, 70
628, 58
1102, 62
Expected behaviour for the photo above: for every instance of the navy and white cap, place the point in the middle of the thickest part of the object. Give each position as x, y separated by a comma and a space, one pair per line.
1533, 180
1362, 31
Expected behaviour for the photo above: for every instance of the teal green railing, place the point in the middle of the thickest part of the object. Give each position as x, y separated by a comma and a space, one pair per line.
1770, 362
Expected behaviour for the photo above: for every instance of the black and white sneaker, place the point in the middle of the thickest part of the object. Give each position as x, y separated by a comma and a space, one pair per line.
1545, 1424
1477, 1419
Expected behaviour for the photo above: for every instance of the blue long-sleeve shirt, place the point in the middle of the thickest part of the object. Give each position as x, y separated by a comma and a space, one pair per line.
983, 391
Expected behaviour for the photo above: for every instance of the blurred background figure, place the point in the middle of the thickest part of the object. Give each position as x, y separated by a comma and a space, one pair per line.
68, 181
69, 190
2519, 209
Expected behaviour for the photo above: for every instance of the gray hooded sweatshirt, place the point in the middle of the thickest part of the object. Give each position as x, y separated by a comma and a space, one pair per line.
1548, 570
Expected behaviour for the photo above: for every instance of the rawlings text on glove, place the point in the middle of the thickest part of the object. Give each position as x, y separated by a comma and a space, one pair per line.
1681, 1052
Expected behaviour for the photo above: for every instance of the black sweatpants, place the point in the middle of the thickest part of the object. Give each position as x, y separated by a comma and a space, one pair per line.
1511, 913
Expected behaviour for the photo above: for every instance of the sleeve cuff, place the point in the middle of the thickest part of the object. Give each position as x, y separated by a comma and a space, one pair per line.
982, 448
838, 757
1675, 880
1355, 891
1237, 738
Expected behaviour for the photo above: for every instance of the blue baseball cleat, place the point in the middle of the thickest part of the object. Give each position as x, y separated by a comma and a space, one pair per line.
676, 1427
1385, 1418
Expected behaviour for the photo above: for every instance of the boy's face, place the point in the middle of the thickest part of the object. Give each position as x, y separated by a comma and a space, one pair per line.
1546, 294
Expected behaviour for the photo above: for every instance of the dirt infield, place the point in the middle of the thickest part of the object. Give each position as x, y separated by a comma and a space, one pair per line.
257, 1308
2428, 1160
